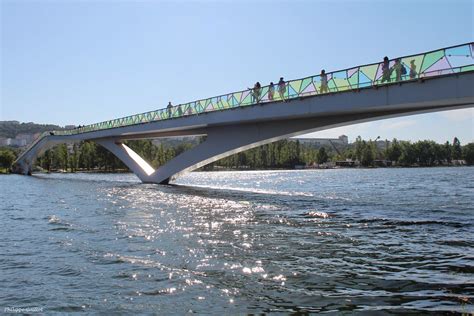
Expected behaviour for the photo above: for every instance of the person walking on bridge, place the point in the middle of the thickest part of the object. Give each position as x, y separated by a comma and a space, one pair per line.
256, 92
324, 82
168, 109
386, 71
282, 88
399, 69
271, 91
412, 69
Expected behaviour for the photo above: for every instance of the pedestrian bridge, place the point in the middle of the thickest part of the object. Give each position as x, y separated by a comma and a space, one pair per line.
433, 81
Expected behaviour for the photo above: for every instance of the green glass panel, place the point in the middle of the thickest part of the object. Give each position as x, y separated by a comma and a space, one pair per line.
430, 59
237, 96
354, 80
186, 109
224, 102
230, 100
263, 95
202, 105
370, 71
341, 84
247, 100
235, 102
218, 104
305, 83
332, 87
198, 107
209, 105
467, 68
296, 85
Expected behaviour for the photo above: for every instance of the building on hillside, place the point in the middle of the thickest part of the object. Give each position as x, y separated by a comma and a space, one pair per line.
342, 140
4, 141
23, 139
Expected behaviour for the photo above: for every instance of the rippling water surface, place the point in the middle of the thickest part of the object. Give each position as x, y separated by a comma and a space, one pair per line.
379, 241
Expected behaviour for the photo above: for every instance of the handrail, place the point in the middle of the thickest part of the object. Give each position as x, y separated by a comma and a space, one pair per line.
453, 59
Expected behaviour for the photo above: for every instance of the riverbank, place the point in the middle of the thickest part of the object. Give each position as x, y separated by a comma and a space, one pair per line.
217, 169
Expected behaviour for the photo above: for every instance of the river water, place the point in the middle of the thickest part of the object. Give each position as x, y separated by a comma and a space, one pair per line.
369, 241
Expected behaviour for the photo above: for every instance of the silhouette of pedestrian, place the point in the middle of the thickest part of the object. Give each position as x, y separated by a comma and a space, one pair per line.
168, 108
386, 71
271, 91
413, 72
256, 92
324, 82
398, 67
282, 88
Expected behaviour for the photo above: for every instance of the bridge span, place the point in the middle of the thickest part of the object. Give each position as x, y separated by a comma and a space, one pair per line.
434, 81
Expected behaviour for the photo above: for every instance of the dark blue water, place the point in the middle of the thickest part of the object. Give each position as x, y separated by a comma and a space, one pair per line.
380, 241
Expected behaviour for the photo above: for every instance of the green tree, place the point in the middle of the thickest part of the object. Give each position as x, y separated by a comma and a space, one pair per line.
468, 154
322, 156
358, 148
393, 151
457, 151
368, 153
87, 155
6, 158
424, 152
61, 157
448, 152
408, 155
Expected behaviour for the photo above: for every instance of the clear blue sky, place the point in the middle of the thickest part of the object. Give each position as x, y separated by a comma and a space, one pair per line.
80, 62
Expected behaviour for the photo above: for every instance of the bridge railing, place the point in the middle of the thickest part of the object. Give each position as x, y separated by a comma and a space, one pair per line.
450, 60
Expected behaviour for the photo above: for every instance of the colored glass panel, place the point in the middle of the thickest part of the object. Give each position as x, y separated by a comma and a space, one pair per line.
296, 86
332, 86
246, 98
354, 80
459, 56
369, 72
441, 64
305, 84
430, 59
351, 72
291, 91
309, 90
467, 68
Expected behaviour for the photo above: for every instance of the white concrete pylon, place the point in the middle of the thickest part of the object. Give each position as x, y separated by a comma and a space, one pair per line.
131, 159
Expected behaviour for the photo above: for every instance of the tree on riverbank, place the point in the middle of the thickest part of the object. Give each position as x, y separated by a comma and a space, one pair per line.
468, 154
281, 154
7, 157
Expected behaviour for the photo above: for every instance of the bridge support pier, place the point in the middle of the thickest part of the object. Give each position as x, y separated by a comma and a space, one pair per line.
22, 167
131, 159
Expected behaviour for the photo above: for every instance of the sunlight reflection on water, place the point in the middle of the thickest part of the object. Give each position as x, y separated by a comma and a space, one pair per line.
241, 242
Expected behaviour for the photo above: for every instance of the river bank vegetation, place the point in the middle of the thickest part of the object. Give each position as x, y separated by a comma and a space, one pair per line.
284, 154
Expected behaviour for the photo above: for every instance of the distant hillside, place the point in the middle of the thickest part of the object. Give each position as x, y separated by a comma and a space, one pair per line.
10, 129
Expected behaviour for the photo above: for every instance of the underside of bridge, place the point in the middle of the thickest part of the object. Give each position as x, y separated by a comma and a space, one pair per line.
232, 131
231, 139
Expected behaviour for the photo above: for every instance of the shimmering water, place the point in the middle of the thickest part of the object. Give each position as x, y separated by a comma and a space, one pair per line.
378, 241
